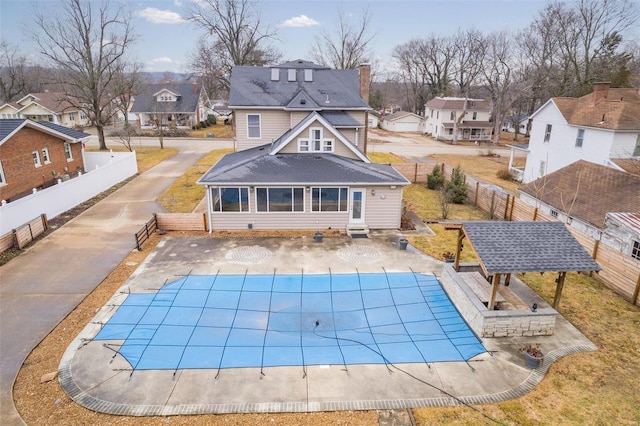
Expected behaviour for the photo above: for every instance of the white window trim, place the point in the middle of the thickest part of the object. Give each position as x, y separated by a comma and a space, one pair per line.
579, 138
634, 243
239, 188
3, 180
70, 157
304, 143
547, 133
320, 188
35, 155
292, 188
308, 142
259, 127
45, 156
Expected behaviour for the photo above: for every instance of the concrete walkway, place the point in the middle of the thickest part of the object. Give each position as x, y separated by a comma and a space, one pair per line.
40, 287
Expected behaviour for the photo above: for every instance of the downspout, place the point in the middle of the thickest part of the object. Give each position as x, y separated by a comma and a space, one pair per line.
210, 225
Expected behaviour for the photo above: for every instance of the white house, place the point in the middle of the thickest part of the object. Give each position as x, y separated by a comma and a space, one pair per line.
401, 121
469, 118
598, 127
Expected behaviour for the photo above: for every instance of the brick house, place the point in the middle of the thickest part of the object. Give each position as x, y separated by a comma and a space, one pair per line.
36, 154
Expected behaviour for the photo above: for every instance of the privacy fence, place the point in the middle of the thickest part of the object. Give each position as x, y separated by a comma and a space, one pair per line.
620, 272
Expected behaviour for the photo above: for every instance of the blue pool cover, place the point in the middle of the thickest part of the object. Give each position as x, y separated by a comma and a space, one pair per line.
232, 321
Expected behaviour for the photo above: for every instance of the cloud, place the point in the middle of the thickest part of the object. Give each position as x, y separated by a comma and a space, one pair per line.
299, 21
162, 59
177, 3
157, 16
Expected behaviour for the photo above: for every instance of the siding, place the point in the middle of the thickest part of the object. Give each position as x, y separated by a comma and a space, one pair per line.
272, 125
383, 211
339, 147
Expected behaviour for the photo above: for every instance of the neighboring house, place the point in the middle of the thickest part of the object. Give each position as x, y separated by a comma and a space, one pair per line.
469, 118
173, 104
52, 107
36, 154
222, 113
373, 120
589, 197
599, 127
516, 121
401, 121
10, 110
301, 163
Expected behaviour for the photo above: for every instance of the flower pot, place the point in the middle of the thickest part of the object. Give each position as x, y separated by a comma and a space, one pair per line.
449, 259
318, 237
532, 361
402, 243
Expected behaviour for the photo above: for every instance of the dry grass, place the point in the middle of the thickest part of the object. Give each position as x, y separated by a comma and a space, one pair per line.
484, 168
385, 158
147, 157
220, 131
184, 195
47, 404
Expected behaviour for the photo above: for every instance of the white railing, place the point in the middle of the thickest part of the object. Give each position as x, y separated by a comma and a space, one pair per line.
480, 137
104, 169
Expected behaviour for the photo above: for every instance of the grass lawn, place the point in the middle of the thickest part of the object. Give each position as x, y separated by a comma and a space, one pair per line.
184, 195
147, 157
598, 388
385, 158
220, 131
484, 168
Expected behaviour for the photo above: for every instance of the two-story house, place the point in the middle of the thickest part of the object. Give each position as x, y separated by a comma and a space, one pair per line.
301, 154
36, 154
468, 118
47, 106
172, 104
599, 127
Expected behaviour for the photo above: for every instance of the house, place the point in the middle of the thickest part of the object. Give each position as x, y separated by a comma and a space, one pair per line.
47, 106
590, 197
373, 120
401, 121
36, 154
469, 118
599, 127
516, 121
301, 154
181, 105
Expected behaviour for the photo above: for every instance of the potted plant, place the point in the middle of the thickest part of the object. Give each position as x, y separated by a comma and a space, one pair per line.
533, 355
448, 256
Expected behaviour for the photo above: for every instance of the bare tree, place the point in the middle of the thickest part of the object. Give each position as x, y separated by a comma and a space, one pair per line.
206, 64
347, 48
411, 74
17, 76
87, 46
126, 84
238, 35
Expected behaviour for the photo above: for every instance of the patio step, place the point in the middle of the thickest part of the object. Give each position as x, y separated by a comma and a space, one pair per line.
357, 230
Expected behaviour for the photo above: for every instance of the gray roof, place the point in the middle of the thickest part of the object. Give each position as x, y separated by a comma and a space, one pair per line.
341, 119
187, 102
301, 64
255, 166
9, 125
517, 247
330, 89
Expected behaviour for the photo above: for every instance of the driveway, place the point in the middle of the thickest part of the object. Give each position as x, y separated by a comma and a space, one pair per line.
40, 287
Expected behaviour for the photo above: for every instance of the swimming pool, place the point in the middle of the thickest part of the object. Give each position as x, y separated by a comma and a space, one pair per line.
262, 320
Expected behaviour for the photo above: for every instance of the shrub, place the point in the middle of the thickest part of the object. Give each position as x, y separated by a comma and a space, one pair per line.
203, 124
504, 174
456, 188
436, 179
211, 119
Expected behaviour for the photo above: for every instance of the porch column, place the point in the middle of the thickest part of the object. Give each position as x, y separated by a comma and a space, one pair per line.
511, 159
559, 285
494, 289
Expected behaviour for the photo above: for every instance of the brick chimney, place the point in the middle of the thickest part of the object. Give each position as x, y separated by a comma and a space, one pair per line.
600, 92
365, 81
195, 87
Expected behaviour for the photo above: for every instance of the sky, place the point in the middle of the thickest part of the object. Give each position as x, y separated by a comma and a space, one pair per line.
165, 40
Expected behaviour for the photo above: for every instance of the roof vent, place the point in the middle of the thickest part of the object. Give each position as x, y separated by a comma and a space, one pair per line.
303, 101
327, 100
291, 74
308, 75
275, 74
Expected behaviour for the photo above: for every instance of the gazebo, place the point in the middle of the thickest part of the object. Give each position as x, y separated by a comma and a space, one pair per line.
505, 248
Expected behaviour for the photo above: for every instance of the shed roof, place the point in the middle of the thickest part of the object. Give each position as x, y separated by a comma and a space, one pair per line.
518, 247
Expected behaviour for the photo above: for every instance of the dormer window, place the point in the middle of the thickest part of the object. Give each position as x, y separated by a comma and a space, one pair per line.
315, 142
291, 74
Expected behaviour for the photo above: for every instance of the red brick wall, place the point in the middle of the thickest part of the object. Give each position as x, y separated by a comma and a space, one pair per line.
17, 163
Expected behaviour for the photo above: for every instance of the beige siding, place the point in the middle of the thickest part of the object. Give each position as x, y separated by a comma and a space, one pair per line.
339, 147
298, 116
273, 124
382, 211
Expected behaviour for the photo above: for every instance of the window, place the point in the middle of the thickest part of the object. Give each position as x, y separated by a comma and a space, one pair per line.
547, 133
67, 151
280, 199
315, 142
329, 199
451, 131
36, 159
431, 113
3, 181
230, 199
437, 114
83, 116
636, 151
635, 249
253, 126
543, 168
72, 116
580, 138
45, 156
475, 115
554, 213
453, 115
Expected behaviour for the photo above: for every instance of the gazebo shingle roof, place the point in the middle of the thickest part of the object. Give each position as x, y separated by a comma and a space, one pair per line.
518, 247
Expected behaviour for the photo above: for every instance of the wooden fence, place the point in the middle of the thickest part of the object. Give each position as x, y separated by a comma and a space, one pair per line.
620, 272
24, 234
182, 221
145, 232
